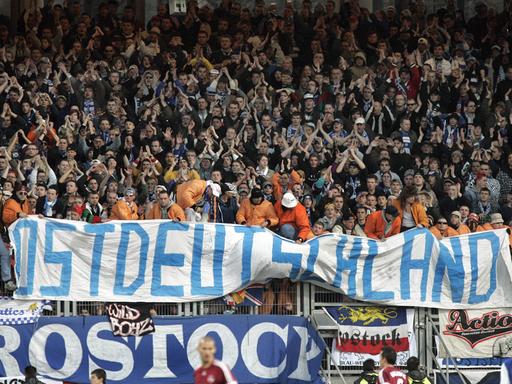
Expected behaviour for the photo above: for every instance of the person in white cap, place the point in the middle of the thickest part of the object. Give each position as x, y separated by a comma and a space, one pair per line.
293, 219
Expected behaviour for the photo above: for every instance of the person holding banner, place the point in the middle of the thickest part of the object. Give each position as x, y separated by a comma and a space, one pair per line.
412, 213
195, 192
293, 219
17, 206
257, 211
211, 371
442, 230
165, 209
383, 224
125, 208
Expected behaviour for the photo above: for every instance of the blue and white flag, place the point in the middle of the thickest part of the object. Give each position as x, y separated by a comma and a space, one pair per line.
14, 311
164, 261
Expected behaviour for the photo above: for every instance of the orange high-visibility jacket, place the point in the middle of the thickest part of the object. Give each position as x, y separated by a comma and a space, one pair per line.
121, 211
174, 212
297, 217
375, 226
11, 209
190, 192
256, 214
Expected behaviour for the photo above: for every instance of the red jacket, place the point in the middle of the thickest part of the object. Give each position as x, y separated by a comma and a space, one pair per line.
297, 217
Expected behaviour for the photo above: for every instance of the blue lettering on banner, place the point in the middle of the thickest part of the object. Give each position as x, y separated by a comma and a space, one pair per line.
347, 264
278, 256
97, 250
126, 230
409, 263
163, 258
31, 254
449, 265
212, 260
368, 292
69, 348
218, 257
63, 258
493, 243
247, 245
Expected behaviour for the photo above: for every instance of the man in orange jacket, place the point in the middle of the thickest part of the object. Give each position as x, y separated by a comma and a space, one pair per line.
195, 192
293, 218
165, 209
457, 225
442, 230
383, 224
126, 208
257, 211
16, 207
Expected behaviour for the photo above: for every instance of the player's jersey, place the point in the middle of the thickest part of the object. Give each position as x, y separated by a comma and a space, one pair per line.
392, 375
217, 373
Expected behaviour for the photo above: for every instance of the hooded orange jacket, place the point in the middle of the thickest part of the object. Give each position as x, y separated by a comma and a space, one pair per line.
256, 214
121, 211
418, 212
174, 212
297, 217
375, 226
11, 209
190, 192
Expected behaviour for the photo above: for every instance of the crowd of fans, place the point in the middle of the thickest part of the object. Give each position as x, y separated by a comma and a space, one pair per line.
304, 120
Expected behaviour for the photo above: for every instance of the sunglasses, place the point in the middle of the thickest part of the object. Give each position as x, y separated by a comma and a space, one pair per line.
21, 192
442, 222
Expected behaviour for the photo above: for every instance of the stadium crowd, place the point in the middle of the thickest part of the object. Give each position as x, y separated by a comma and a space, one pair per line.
304, 120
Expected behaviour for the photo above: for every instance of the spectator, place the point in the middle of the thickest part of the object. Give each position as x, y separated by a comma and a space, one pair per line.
456, 223
293, 219
165, 209
368, 376
125, 208
257, 211
50, 205
412, 213
442, 230
17, 206
31, 375
383, 224
414, 374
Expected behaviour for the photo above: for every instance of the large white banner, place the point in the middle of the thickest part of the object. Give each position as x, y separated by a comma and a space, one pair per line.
163, 261
476, 333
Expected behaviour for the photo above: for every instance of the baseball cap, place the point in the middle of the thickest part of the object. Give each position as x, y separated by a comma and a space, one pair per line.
360, 120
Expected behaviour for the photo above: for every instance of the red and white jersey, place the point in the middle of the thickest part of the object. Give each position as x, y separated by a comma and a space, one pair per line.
392, 375
217, 373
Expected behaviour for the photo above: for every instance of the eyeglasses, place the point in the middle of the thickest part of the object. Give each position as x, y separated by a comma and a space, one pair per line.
442, 222
267, 186
22, 193
411, 104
